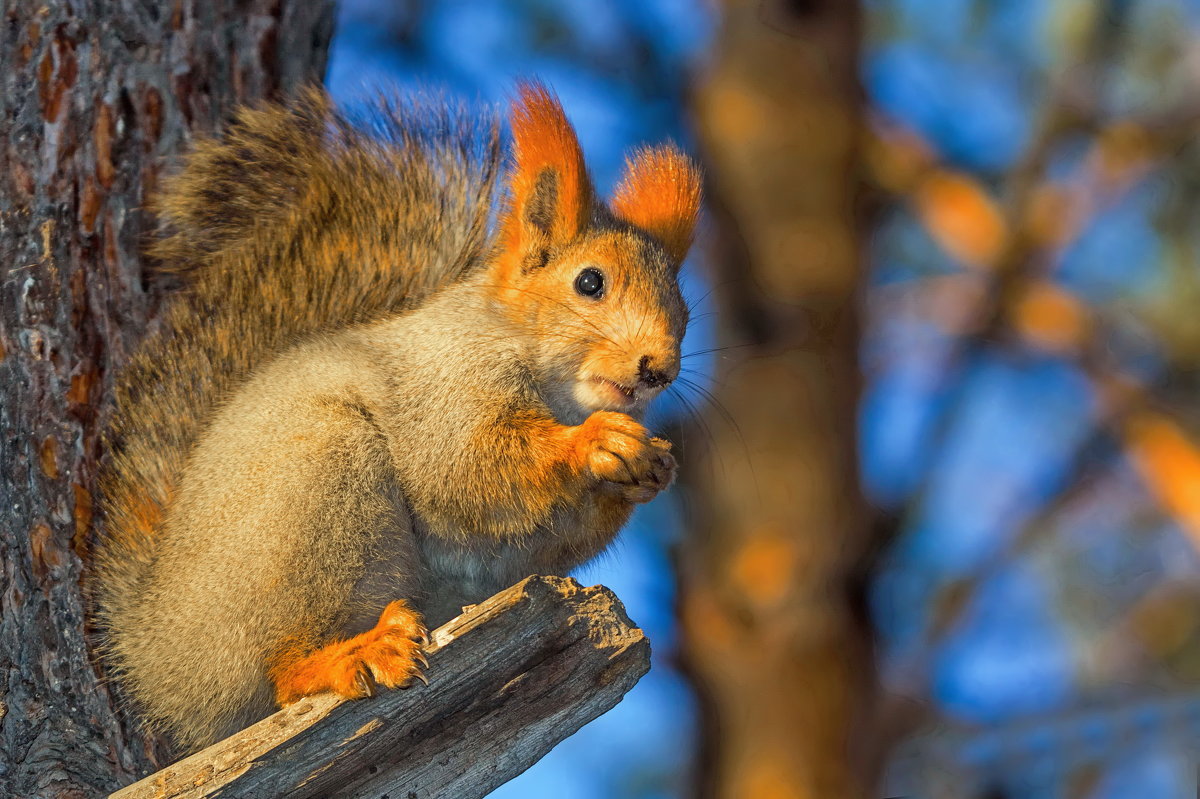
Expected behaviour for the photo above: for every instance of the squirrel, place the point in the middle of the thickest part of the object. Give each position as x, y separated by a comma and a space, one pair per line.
400, 375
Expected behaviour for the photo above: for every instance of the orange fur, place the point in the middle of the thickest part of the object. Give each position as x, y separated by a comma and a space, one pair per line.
388, 654
138, 516
660, 193
612, 446
608, 446
544, 139
145, 514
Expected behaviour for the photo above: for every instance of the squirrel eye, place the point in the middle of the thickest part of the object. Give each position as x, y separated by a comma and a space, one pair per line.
589, 283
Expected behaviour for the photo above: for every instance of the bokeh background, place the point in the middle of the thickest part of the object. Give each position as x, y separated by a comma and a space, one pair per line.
1026, 184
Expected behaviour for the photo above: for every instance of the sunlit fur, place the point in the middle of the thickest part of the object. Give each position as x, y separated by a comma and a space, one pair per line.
585, 345
543, 139
659, 192
362, 396
589, 342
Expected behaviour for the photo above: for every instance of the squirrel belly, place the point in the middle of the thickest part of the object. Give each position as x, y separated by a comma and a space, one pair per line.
308, 477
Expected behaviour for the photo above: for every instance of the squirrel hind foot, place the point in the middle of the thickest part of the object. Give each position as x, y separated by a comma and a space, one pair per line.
389, 654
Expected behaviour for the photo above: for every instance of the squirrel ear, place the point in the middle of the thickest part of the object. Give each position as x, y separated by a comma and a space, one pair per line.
660, 193
551, 195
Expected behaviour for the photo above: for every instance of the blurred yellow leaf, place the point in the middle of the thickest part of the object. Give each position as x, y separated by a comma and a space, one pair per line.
1051, 317
961, 217
1170, 464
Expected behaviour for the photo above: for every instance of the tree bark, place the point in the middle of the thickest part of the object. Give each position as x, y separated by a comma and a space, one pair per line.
509, 679
95, 97
772, 637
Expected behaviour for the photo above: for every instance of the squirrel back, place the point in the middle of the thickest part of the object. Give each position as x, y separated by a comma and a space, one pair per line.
299, 220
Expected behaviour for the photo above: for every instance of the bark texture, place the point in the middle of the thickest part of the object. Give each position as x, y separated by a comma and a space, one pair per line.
509, 679
95, 97
772, 638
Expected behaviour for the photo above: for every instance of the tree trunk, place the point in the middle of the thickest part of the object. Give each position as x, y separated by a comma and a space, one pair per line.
772, 638
96, 95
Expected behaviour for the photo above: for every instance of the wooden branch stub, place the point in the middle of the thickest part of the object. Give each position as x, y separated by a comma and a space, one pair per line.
509, 679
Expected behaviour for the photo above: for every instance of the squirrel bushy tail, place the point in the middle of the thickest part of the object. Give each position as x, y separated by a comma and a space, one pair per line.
299, 219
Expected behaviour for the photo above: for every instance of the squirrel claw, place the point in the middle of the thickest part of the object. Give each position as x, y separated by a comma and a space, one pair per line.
364, 684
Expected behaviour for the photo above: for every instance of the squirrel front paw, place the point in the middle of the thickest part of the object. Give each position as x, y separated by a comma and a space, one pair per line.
389, 654
617, 450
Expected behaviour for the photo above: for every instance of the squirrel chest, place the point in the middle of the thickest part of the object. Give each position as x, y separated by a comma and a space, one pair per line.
395, 412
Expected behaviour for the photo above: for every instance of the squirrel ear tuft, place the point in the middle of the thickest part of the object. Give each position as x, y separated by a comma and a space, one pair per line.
660, 193
551, 194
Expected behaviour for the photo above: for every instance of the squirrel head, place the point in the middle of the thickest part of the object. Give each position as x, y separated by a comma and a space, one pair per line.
595, 284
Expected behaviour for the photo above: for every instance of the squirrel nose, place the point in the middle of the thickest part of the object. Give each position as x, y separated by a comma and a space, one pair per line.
653, 378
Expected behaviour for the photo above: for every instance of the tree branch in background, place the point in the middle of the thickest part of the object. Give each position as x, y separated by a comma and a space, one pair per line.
1006, 292
773, 640
1003, 246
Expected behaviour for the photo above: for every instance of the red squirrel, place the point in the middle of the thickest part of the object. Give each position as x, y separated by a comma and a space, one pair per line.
367, 408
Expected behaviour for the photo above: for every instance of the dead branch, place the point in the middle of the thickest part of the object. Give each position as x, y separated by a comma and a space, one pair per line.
509, 679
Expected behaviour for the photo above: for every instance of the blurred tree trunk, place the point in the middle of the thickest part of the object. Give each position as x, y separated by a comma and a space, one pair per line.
93, 97
773, 637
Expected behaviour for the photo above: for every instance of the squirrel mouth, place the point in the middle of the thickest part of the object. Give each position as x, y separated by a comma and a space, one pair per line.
629, 395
